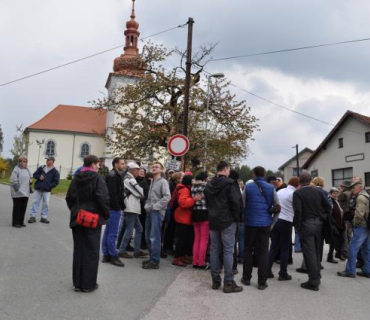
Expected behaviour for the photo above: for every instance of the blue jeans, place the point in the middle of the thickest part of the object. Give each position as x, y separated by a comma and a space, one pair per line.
360, 240
45, 197
110, 234
153, 227
226, 239
297, 242
241, 240
132, 221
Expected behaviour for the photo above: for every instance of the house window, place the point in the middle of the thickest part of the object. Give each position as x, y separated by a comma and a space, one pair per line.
340, 143
85, 150
341, 174
367, 137
314, 173
295, 174
50, 148
367, 179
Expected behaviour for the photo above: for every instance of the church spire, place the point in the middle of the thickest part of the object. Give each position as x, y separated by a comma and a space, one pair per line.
132, 34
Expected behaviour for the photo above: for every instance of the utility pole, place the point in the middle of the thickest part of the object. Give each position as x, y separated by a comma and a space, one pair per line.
296, 150
187, 82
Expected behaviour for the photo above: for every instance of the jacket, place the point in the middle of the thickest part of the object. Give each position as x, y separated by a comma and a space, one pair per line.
186, 203
20, 182
158, 197
134, 194
88, 191
51, 179
362, 210
200, 211
115, 188
256, 208
223, 202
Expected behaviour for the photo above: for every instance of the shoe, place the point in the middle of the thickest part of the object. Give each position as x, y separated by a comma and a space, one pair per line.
77, 289
187, 260
150, 265
262, 286
163, 255
169, 252
216, 285
240, 260
245, 282
232, 287
116, 262
342, 258
195, 267
44, 220
145, 262
331, 260
23, 225
105, 259
301, 270
235, 271
178, 262
363, 274
270, 275
125, 255
307, 285
287, 277
345, 274
32, 220
205, 267
129, 248
17, 226
143, 247
91, 290
140, 254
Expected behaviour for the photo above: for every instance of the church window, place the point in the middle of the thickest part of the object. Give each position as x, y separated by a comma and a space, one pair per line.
85, 150
50, 148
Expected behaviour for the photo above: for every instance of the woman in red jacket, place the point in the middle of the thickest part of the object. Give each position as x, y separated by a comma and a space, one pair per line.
183, 204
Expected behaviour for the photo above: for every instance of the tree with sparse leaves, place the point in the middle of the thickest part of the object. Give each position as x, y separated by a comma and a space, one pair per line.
20, 144
151, 111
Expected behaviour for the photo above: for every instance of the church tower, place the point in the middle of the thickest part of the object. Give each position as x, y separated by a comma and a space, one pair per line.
128, 68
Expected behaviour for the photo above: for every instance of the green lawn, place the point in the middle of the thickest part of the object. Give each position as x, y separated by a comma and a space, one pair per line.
4, 180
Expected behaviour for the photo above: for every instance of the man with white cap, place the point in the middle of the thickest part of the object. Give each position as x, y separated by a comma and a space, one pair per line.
134, 193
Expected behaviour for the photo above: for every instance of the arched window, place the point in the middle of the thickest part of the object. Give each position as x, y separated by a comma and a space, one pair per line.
85, 150
50, 148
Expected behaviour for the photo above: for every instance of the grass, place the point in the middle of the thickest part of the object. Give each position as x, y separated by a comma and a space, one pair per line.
5, 180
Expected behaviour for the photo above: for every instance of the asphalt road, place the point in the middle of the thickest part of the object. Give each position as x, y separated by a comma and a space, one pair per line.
35, 283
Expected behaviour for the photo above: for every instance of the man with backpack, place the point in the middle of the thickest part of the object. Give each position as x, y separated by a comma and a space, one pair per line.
361, 234
47, 179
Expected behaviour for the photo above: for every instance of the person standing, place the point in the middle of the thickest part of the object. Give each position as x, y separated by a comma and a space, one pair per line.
223, 202
344, 200
47, 179
260, 197
158, 198
311, 209
103, 169
116, 192
134, 195
144, 183
87, 191
20, 182
361, 234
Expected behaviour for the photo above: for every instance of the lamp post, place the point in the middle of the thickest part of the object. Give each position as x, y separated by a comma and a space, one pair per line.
215, 75
39, 143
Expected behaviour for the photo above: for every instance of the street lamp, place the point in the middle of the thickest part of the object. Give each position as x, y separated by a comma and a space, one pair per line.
215, 75
39, 143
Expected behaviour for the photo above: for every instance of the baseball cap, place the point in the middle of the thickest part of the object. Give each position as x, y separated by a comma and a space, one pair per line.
133, 165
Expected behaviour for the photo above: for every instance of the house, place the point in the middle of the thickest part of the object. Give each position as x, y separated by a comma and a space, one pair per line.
344, 153
290, 167
68, 133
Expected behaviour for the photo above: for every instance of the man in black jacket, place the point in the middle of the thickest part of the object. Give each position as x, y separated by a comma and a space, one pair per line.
116, 191
311, 209
224, 205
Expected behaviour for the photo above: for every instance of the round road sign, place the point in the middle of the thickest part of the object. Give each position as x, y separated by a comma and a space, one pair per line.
178, 145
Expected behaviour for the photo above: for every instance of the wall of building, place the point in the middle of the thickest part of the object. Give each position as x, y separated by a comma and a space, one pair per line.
354, 148
288, 170
66, 156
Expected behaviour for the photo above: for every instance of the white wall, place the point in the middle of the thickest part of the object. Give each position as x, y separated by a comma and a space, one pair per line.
288, 169
64, 149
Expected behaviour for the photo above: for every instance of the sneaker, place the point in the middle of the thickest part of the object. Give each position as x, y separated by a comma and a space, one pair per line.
345, 274
262, 286
32, 220
301, 270
105, 259
44, 220
270, 275
363, 274
287, 277
331, 260
140, 254
116, 262
232, 287
216, 285
125, 255
23, 225
178, 262
309, 286
91, 290
17, 226
245, 282
150, 265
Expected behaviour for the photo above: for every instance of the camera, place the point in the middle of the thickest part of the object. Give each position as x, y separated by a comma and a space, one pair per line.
274, 210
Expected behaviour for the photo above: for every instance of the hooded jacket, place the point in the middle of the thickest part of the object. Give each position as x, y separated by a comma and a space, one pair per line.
186, 203
223, 202
134, 194
88, 191
362, 210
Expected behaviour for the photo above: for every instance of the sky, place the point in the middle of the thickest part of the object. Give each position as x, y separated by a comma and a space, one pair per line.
323, 83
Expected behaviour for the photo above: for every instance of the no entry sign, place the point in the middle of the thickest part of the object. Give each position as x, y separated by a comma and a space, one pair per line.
178, 145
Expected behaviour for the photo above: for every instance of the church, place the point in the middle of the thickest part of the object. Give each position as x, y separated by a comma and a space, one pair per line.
69, 133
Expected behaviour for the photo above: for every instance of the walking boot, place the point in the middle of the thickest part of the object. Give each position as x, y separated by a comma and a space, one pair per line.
116, 262
232, 287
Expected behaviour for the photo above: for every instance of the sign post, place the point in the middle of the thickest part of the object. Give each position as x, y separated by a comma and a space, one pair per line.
178, 146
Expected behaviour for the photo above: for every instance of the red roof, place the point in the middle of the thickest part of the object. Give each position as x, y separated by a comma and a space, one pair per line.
73, 119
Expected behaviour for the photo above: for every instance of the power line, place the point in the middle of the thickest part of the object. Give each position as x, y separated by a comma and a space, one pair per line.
292, 49
85, 58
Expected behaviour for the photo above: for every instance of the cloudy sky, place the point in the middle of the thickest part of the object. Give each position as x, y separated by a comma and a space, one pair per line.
323, 83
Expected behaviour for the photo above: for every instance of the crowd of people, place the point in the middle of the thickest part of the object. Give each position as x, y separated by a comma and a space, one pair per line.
208, 223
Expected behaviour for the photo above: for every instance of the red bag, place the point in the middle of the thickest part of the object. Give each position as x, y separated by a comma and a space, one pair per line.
87, 219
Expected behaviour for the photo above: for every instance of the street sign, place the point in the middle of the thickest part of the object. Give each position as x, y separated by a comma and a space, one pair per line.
178, 145
172, 164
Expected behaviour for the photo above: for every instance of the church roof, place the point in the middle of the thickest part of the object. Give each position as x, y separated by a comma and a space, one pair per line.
73, 119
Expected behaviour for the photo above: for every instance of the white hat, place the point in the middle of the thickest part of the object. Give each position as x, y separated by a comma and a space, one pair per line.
133, 165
